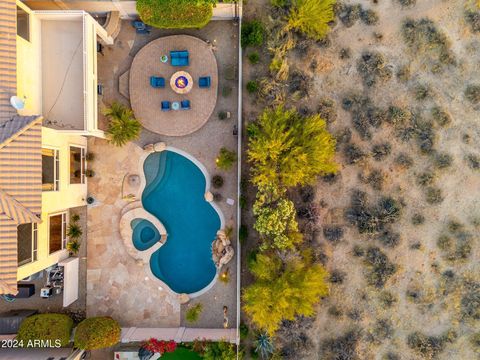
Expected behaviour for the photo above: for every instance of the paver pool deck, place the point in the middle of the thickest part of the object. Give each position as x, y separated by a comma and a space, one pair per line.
146, 100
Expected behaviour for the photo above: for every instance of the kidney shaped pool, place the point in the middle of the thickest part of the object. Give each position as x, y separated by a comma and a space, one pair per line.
174, 193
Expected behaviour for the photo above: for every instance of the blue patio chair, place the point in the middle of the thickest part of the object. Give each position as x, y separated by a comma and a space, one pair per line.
157, 82
204, 82
165, 105
185, 104
179, 58
141, 27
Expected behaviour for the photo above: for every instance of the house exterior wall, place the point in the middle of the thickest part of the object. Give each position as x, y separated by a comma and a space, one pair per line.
29, 67
68, 196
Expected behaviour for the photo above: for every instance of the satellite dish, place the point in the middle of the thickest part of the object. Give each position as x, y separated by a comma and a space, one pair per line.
17, 102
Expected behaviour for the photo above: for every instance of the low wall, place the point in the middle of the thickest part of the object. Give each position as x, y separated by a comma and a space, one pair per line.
180, 334
127, 9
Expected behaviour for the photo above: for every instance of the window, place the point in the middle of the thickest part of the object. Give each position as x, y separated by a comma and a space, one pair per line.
50, 170
77, 165
23, 24
27, 243
57, 232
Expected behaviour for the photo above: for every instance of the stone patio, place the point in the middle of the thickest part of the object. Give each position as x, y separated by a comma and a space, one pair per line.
145, 100
116, 283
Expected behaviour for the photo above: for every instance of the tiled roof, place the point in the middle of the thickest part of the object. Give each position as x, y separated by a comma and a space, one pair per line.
8, 57
20, 187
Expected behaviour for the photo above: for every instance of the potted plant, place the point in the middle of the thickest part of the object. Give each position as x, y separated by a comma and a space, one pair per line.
90, 156
73, 247
90, 173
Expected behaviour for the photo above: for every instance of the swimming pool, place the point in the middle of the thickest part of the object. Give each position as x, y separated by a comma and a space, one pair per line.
174, 193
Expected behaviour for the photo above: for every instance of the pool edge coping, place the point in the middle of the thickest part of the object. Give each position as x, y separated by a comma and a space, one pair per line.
143, 183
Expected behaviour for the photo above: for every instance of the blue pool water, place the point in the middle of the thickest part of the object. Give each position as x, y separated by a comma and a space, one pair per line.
145, 234
174, 193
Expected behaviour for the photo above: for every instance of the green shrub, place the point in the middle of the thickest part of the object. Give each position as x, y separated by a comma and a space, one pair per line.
53, 327
348, 14
422, 92
252, 86
333, 233
311, 17
220, 350
217, 181
425, 178
253, 33
175, 14
243, 233
97, 333
433, 195
472, 93
254, 58
442, 160
404, 160
226, 158
369, 17
473, 20
380, 267
222, 115
193, 313
327, 111
244, 330
427, 346
423, 37
353, 154
342, 347
226, 91
407, 2
473, 161
441, 116
418, 219
380, 151
372, 68
403, 73
345, 53
122, 126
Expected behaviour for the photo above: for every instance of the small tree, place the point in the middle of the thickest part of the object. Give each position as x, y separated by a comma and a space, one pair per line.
275, 220
73, 247
311, 17
97, 333
284, 294
287, 149
123, 127
226, 158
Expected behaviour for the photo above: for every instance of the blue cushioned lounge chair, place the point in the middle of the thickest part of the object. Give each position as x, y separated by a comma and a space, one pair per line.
165, 105
179, 58
157, 82
185, 104
204, 82
141, 27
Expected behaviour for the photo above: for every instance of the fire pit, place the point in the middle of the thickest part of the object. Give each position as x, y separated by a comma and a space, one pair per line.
181, 82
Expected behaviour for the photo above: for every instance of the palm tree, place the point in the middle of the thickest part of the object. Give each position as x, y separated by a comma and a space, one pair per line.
73, 247
123, 127
74, 231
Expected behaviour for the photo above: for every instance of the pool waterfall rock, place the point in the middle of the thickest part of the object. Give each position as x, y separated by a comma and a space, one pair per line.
222, 250
157, 147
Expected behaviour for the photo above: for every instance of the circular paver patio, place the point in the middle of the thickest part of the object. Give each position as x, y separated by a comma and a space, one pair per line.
146, 100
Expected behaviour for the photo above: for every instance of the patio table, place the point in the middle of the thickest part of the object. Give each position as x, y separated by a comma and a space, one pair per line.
175, 105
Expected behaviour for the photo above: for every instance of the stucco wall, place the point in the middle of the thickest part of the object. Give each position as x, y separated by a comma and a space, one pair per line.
68, 196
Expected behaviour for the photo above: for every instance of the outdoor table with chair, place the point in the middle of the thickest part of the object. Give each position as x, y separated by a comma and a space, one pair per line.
181, 82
